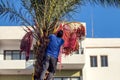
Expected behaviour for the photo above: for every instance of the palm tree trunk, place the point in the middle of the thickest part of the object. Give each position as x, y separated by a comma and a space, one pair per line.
39, 52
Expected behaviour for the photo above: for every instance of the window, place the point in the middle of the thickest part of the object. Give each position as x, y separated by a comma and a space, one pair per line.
22, 56
81, 50
75, 78
7, 55
31, 55
104, 61
15, 55
66, 78
93, 61
57, 78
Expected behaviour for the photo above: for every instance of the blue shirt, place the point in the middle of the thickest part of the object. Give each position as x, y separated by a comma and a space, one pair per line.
54, 45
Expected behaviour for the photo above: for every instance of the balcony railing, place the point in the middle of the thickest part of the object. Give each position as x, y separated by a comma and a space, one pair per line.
74, 60
12, 64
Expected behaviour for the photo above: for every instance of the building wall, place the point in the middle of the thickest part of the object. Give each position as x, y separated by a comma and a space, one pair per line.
59, 73
92, 47
101, 47
70, 73
12, 32
10, 38
15, 77
9, 69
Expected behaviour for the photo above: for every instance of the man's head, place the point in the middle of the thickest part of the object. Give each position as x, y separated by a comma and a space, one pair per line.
60, 33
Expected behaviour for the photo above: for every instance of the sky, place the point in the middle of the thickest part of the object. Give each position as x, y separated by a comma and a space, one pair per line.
104, 21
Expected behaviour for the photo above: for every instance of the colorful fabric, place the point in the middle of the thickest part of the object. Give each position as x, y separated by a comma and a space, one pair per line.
72, 34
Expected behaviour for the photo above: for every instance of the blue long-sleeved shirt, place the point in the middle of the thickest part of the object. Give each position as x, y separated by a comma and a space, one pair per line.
54, 45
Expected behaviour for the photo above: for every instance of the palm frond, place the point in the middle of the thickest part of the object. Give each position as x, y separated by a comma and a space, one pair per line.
105, 3
27, 6
17, 15
48, 11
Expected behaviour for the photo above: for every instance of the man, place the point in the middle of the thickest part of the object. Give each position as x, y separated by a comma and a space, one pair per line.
52, 53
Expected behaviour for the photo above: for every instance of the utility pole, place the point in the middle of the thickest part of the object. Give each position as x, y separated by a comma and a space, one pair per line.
92, 22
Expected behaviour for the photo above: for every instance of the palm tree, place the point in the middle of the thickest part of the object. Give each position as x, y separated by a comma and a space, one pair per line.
46, 16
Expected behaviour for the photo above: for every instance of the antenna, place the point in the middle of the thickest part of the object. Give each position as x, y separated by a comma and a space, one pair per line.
92, 25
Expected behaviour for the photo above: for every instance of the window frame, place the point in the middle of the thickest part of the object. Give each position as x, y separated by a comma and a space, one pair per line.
92, 62
5, 54
20, 55
104, 60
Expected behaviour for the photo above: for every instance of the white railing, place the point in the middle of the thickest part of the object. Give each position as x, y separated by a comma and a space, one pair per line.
75, 58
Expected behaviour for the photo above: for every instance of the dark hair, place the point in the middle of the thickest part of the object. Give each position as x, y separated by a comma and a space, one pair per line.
60, 33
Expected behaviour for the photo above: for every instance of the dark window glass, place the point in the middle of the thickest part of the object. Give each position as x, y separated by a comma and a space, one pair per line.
8, 55
57, 78
93, 61
31, 55
104, 61
67, 78
22, 56
15, 55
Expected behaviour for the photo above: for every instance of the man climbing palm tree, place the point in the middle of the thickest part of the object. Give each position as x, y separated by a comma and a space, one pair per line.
51, 55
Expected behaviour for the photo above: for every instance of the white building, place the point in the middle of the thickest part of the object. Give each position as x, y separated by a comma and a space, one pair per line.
99, 59
102, 59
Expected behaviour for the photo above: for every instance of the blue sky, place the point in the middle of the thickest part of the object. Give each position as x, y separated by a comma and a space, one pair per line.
106, 21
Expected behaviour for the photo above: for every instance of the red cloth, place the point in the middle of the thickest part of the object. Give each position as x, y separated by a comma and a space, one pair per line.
71, 37
26, 44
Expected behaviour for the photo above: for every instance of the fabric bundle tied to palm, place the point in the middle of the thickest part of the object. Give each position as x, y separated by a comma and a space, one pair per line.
73, 33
